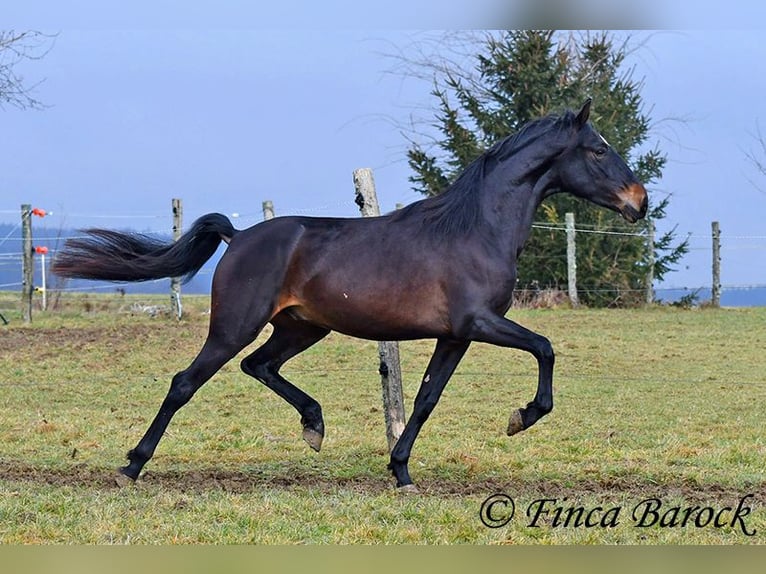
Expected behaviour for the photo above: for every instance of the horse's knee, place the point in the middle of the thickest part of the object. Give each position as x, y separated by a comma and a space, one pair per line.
545, 352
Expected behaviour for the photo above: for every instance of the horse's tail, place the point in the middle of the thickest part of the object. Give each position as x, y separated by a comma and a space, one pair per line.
114, 256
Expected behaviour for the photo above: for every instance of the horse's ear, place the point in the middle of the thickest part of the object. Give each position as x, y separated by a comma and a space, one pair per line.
582, 117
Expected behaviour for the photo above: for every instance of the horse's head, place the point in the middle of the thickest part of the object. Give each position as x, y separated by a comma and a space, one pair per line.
591, 169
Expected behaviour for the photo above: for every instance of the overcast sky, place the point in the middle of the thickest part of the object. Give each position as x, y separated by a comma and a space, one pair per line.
227, 119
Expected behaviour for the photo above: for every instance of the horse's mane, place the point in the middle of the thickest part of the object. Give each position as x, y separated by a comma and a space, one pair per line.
456, 210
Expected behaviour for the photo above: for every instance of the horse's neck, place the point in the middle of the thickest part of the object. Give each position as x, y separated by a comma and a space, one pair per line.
511, 201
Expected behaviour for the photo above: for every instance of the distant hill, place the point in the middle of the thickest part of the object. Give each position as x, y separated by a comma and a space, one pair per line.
730, 296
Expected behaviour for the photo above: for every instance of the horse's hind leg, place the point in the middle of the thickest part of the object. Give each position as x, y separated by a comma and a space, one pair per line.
214, 354
289, 338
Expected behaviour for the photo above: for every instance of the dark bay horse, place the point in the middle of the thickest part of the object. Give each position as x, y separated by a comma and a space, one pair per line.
442, 268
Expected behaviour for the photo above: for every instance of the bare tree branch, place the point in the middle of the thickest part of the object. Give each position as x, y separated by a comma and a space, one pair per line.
430, 57
758, 158
16, 48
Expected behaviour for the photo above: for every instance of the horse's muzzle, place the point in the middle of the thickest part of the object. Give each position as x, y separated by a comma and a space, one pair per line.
635, 202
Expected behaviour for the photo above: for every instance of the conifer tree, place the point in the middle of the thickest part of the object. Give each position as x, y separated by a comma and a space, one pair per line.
520, 76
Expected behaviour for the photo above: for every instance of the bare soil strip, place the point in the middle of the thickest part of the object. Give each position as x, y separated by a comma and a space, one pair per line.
198, 481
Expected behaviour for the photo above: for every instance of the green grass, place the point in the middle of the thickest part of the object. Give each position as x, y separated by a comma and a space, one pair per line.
663, 403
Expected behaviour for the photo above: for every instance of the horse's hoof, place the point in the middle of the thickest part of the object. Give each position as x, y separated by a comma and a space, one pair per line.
313, 438
516, 423
123, 480
408, 489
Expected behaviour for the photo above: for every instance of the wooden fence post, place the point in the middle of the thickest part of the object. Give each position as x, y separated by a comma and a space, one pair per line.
390, 367
650, 262
716, 290
28, 269
571, 260
175, 282
268, 210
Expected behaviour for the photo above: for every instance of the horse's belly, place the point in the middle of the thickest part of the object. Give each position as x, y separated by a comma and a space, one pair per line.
381, 317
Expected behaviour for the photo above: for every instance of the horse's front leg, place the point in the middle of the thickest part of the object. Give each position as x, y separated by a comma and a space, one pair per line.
500, 331
445, 359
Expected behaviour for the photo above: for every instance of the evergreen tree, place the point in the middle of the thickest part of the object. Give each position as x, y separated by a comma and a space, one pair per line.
522, 75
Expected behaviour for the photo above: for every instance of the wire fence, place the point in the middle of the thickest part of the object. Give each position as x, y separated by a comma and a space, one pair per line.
53, 237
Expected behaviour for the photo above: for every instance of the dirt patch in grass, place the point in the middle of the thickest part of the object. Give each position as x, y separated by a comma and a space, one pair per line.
63, 338
243, 482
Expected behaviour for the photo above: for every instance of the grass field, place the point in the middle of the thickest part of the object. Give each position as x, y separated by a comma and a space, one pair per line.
661, 403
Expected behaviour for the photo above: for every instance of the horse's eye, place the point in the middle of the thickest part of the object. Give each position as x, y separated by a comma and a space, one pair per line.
600, 152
